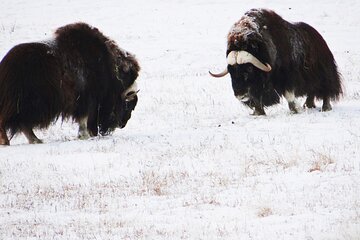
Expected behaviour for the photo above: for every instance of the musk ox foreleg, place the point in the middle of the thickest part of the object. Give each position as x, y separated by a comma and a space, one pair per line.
258, 110
88, 125
30, 135
257, 106
294, 106
93, 119
83, 130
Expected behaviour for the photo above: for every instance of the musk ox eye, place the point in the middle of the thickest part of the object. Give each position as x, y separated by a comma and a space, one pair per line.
246, 75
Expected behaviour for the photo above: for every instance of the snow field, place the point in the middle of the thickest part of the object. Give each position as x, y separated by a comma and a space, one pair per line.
191, 163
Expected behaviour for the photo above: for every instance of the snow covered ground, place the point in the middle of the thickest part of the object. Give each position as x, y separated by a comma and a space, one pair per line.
191, 163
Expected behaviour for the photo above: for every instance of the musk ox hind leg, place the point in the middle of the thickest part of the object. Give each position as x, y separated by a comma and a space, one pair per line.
294, 106
326, 105
3, 137
310, 102
30, 135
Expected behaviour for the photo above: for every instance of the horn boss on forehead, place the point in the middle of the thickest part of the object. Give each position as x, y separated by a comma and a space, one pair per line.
246, 57
242, 57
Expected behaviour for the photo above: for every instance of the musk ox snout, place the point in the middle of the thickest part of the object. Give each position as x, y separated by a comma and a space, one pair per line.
243, 98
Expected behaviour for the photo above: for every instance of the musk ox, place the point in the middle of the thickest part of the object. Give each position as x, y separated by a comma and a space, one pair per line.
269, 57
79, 74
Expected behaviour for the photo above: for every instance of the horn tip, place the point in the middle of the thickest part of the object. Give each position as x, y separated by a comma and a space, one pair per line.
269, 67
222, 74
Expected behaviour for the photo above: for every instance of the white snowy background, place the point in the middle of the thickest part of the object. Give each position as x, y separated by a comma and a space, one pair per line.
191, 163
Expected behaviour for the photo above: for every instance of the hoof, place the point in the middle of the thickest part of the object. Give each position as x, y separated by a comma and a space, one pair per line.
36, 141
83, 134
326, 108
258, 112
309, 105
310, 102
4, 143
3, 138
326, 105
295, 108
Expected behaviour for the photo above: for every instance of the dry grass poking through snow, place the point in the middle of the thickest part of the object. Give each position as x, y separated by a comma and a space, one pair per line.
321, 161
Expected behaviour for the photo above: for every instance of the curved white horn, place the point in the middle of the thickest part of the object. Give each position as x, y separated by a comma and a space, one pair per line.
246, 57
231, 58
131, 95
132, 88
218, 75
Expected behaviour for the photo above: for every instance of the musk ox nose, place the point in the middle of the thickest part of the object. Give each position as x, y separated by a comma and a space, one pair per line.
122, 125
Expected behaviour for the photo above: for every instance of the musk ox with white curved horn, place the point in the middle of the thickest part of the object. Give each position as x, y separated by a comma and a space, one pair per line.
268, 57
79, 74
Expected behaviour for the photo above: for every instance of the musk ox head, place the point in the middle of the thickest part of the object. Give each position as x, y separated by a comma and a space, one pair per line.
129, 100
247, 73
247, 60
126, 71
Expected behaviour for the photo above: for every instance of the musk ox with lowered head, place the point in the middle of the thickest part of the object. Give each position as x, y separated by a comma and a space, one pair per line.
80, 73
269, 57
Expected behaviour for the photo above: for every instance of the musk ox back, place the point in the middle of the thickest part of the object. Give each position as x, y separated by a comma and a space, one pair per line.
269, 57
80, 73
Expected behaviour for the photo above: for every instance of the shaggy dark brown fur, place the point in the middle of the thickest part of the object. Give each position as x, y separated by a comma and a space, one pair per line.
80, 74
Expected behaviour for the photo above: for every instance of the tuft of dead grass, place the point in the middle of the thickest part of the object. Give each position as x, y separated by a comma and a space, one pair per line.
321, 161
264, 212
